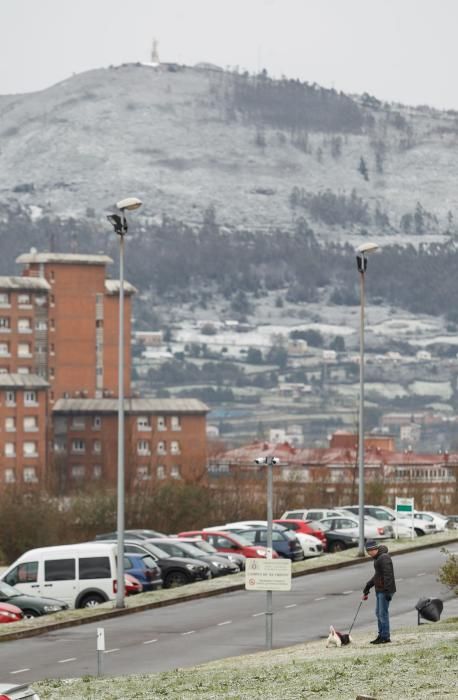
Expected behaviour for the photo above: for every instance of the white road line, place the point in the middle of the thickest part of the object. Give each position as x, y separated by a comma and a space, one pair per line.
183, 634
347, 592
150, 641
20, 670
323, 598
227, 622
65, 661
399, 579
294, 605
423, 573
110, 651
257, 614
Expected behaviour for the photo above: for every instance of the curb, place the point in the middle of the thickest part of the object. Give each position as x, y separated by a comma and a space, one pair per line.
112, 613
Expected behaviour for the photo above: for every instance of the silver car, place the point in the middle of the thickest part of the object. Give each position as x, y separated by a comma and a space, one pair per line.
349, 525
17, 692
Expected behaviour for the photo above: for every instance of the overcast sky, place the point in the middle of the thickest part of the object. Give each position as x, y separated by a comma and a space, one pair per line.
397, 50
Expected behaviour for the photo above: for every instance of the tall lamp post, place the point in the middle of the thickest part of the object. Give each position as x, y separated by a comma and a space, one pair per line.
119, 223
361, 261
269, 462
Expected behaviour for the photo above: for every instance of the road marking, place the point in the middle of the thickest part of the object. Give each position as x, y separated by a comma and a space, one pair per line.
257, 614
294, 605
227, 622
399, 579
323, 598
65, 661
110, 651
183, 634
347, 592
20, 670
150, 641
423, 573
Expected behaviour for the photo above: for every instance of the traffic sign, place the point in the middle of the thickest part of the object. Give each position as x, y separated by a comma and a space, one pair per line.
268, 574
405, 506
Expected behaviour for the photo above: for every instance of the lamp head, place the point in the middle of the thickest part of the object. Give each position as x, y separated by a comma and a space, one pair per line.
260, 460
366, 248
129, 204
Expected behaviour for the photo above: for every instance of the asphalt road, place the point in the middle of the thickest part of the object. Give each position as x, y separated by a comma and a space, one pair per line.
227, 625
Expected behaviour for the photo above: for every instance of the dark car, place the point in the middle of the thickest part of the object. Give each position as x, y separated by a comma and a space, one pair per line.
131, 535
144, 569
336, 541
208, 548
31, 605
284, 542
179, 548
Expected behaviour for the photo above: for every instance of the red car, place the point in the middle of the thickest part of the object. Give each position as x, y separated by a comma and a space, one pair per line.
10, 613
133, 585
225, 541
305, 527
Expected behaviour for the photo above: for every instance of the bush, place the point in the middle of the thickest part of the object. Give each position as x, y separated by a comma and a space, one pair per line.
448, 573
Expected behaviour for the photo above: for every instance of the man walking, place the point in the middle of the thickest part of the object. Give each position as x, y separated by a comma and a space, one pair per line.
385, 588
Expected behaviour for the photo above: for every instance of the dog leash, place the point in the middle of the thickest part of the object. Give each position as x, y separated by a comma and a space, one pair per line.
354, 619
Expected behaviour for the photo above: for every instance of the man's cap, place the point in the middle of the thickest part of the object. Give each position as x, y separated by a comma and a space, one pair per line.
371, 544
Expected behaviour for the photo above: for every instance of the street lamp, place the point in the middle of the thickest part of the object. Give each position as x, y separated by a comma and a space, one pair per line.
361, 261
269, 462
119, 223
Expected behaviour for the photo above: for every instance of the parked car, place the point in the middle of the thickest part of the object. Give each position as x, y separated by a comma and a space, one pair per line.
179, 548
284, 542
349, 525
310, 514
133, 585
424, 523
144, 569
311, 547
175, 571
208, 548
230, 542
385, 515
10, 691
304, 526
337, 541
452, 522
422, 527
31, 605
82, 575
439, 520
131, 535
10, 613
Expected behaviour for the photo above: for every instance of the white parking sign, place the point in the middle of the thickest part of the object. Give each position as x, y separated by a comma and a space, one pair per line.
268, 575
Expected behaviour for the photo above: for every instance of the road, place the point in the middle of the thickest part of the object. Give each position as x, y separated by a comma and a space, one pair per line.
227, 625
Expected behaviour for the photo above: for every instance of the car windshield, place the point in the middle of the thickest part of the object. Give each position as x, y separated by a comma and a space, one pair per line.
187, 547
7, 590
157, 551
204, 546
239, 540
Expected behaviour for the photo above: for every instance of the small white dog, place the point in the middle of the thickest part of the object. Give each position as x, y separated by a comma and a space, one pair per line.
337, 639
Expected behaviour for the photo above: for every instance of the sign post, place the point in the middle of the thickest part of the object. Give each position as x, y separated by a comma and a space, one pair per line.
405, 506
100, 649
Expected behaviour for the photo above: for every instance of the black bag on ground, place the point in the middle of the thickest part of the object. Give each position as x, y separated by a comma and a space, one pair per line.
430, 608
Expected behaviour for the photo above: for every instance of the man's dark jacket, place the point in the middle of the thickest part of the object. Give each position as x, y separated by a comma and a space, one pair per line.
383, 579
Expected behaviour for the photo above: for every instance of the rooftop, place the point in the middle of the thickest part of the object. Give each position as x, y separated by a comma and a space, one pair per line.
32, 283
159, 406
113, 287
63, 258
22, 381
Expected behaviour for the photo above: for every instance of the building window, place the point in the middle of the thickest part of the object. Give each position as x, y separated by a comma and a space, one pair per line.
23, 370
51, 349
161, 448
143, 447
160, 471
52, 324
10, 449
52, 373
10, 425
4, 299
30, 424
78, 471
143, 423
10, 398
10, 476
175, 472
97, 447
78, 423
143, 473
4, 350
5, 325
30, 475
30, 449
96, 423
175, 423
97, 471
24, 325
175, 447
161, 424
23, 299
30, 398
4, 370
23, 350
78, 446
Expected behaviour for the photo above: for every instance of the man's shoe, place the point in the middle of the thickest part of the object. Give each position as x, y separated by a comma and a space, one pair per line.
385, 641
376, 641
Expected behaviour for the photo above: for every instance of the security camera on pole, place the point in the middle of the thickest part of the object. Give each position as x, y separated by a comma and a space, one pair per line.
361, 261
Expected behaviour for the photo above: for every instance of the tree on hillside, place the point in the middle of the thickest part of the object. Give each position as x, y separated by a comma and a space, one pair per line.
362, 168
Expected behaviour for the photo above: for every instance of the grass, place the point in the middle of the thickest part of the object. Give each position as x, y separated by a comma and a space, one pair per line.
213, 585
419, 664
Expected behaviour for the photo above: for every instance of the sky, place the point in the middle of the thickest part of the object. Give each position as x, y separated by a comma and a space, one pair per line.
398, 50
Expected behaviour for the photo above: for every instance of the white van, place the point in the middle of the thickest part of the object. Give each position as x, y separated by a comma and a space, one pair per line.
82, 575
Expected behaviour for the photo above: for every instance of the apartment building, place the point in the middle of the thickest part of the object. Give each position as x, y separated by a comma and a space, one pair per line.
165, 439
23, 421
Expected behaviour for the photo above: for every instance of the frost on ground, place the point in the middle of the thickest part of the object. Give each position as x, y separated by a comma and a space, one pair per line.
421, 663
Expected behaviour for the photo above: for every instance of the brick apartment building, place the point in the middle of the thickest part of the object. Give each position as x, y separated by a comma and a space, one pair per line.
59, 344
329, 475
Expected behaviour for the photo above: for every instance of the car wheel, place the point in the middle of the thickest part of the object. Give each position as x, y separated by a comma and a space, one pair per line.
176, 578
336, 546
29, 614
419, 532
91, 601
